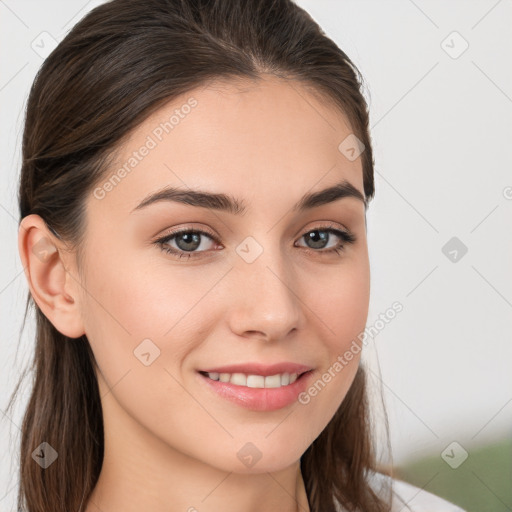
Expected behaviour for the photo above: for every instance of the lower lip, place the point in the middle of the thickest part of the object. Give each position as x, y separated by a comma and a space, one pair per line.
259, 399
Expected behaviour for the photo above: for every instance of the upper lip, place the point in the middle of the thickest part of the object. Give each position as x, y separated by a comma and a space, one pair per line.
261, 369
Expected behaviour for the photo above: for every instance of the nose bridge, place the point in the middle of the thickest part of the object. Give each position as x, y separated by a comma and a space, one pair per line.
263, 299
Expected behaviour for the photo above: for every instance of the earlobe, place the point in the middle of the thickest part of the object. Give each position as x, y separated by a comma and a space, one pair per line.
48, 273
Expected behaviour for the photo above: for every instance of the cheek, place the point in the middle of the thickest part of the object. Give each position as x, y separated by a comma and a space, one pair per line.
340, 301
340, 304
143, 298
128, 301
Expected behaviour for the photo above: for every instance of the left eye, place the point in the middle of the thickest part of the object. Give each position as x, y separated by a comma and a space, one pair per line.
189, 241
319, 237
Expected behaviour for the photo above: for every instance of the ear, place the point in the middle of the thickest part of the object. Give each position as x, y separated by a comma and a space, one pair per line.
52, 285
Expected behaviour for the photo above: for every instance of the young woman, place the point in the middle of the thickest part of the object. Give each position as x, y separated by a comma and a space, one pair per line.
193, 201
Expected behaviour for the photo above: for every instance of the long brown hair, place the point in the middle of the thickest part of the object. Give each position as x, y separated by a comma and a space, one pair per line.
118, 65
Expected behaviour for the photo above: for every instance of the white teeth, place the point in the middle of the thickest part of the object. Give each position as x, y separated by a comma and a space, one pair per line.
239, 379
255, 381
273, 381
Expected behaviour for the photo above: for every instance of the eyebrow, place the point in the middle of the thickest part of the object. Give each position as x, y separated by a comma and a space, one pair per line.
228, 203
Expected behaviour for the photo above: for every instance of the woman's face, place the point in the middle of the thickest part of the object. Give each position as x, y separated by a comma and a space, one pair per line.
263, 285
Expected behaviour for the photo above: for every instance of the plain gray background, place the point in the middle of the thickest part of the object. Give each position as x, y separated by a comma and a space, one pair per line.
441, 127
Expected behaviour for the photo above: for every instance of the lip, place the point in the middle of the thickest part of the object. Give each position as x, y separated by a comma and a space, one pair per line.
260, 369
258, 399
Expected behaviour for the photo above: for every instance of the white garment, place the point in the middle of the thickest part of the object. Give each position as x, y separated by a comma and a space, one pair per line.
407, 497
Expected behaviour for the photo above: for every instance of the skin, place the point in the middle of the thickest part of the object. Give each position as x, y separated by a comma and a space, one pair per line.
170, 444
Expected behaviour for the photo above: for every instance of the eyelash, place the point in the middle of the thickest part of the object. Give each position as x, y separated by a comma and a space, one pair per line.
346, 237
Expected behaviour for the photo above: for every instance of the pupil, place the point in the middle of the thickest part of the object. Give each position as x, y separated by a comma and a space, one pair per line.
320, 240
190, 238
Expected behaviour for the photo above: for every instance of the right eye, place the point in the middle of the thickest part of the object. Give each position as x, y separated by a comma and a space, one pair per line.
187, 242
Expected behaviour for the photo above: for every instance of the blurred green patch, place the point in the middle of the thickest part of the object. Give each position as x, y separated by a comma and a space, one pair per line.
482, 483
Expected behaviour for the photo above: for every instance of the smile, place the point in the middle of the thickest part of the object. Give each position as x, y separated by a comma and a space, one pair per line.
257, 392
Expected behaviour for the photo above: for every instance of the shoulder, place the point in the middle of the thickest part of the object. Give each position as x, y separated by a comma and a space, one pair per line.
406, 497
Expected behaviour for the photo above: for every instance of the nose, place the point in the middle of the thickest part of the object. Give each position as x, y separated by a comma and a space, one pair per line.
263, 301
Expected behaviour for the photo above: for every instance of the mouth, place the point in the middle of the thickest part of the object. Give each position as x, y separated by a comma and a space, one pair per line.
256, 392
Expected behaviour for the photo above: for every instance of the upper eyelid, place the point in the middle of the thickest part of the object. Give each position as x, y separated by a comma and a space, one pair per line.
188, 229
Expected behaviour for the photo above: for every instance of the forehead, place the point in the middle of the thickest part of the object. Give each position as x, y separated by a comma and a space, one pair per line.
270, 137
